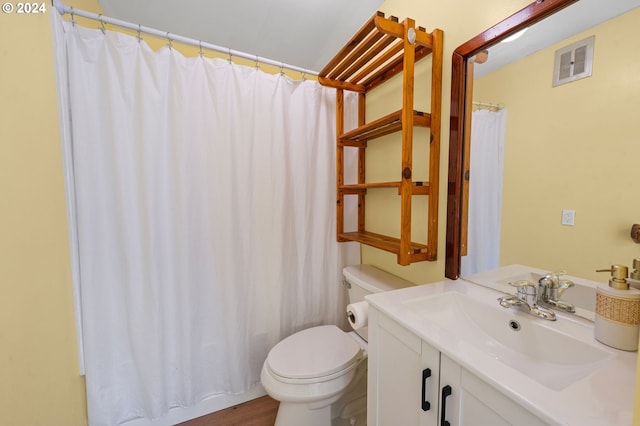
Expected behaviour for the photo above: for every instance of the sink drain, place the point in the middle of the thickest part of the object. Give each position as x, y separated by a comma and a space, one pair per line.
514, 325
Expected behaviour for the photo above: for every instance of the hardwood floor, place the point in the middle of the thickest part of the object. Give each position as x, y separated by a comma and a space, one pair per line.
258, 412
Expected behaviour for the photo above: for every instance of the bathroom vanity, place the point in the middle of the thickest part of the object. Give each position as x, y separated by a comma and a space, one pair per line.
449, 354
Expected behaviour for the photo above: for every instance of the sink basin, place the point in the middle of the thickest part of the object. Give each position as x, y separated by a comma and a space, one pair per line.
533, 346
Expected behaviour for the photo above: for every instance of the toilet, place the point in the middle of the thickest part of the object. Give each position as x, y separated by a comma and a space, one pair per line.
319, 374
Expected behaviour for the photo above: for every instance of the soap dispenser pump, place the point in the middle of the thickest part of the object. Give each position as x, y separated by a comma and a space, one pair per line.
617, 322
619, 275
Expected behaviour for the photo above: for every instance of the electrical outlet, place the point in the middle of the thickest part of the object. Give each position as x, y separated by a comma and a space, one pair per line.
568, 217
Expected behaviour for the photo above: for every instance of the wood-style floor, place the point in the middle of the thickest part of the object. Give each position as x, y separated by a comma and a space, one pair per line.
258, 412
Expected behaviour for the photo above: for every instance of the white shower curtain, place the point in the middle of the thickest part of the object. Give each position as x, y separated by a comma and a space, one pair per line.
485, 191
204, 208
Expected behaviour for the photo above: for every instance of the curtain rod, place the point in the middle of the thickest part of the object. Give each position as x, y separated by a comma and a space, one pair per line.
485, 105
64, 9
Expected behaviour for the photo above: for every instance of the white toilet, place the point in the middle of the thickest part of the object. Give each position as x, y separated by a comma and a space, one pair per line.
319, 374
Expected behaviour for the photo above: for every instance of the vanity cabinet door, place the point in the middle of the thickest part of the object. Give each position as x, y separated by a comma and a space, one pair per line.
402, 380
473, 402
430, 376
410, 383
450, 393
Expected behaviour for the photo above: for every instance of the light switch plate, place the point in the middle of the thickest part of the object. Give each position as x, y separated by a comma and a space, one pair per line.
568, 217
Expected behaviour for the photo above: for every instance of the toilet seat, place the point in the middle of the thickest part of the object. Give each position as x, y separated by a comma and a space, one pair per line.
314, 354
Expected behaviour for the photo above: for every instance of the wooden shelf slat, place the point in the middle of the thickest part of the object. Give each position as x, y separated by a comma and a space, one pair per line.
386, 125
386, 26
424, 39
369, 45
345, 85
382, 242
351, 44
380, 46
391, 70
380, 65
357, 187
371, 53
418, 188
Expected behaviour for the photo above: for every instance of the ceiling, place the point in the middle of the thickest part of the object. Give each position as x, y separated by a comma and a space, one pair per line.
576, 18
308, 33
303, 33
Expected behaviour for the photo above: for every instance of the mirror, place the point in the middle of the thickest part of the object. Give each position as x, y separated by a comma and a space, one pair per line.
552, 165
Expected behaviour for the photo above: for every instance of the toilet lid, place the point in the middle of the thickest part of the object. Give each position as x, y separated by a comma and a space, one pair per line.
314, 352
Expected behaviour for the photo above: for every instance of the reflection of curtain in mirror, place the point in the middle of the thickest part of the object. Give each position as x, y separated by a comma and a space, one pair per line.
485, 191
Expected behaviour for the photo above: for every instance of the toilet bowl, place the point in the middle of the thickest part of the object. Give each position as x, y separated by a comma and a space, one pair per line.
319, 374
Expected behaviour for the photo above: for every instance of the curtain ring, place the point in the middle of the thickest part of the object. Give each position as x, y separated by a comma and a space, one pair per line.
282, 68
139, 33
102, 27
257, 64
230, 57
200, 45
73, 17
170, 41
304, 76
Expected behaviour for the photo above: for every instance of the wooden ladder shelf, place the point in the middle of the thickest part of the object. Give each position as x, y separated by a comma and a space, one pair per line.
382, 48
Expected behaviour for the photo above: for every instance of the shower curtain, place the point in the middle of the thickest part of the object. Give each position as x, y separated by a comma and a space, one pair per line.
485, 191
202, 198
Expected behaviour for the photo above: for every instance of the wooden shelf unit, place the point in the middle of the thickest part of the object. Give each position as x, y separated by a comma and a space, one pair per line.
381, 49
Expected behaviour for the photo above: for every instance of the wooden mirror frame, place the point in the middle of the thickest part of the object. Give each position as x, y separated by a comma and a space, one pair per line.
531, 14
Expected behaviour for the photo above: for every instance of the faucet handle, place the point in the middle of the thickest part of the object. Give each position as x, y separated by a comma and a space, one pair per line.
522, 283
565, 284
551, 279
527, 291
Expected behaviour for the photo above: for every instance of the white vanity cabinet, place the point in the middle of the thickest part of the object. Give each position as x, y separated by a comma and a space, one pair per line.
411, 383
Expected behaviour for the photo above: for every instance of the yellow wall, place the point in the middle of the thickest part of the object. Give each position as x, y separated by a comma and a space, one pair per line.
574, 147
40, 382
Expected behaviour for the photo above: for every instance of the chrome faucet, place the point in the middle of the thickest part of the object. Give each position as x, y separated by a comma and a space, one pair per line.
526, 299
550, 290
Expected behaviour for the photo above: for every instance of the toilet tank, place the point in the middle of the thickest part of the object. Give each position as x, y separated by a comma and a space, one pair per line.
367, 279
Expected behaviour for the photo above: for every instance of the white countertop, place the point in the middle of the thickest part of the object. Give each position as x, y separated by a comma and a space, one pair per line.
603, 397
